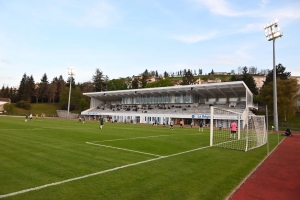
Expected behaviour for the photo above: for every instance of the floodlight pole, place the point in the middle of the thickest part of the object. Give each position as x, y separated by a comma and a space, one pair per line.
272, 32
70, 73
275, 90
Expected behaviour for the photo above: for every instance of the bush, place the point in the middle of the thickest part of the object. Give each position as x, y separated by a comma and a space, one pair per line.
7, 107
23, 104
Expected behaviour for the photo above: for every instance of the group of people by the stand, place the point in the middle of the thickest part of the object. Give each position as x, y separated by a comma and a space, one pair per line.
233, 125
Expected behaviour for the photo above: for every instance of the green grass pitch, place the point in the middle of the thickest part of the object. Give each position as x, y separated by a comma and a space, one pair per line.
64, 159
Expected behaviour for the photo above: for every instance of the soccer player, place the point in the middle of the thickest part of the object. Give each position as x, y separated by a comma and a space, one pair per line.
30, 117
233, 128
79, 119
201, 125
101, 122
220, 126
171, 124
83, 119
181, 124
26, 117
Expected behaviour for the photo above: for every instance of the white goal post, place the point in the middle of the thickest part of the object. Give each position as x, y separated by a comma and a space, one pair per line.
250, 129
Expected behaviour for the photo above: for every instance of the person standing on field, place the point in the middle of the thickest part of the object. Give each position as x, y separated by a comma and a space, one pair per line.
233, 128
101, 122
201, 126
220, 126
30, 117
181, 124
26, 117
171, 124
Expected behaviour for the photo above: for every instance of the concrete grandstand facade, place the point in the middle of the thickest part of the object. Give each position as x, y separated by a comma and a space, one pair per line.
190, 103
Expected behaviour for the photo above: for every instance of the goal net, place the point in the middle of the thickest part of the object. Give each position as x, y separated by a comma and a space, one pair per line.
234, 130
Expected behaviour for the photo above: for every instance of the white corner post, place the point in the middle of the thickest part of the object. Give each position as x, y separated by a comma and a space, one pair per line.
272, 32
71, 74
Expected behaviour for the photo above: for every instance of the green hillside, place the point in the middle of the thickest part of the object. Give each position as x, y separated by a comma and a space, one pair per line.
46, 108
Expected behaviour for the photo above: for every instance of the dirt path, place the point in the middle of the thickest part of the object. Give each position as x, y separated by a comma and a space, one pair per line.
278, 177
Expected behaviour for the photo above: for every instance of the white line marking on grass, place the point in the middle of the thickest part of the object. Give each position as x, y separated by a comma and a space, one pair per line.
152, 136
123, 149
95, 174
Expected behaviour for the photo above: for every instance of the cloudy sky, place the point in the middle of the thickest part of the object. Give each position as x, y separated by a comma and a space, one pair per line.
123, 38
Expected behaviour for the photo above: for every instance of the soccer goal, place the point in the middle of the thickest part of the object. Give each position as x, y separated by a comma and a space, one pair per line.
235, 130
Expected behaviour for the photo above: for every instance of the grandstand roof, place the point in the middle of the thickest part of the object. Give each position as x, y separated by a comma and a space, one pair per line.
211, 90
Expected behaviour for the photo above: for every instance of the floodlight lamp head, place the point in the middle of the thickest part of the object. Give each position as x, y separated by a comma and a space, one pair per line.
71, 71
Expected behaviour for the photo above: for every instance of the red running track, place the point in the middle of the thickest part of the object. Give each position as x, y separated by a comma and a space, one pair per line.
278, 177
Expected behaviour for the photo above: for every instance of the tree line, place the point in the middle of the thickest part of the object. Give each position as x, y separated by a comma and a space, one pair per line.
57, 90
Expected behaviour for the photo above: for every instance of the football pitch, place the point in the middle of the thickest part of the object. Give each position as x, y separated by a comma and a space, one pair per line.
64, 159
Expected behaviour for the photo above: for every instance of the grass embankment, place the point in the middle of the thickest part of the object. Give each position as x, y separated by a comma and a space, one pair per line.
37, 108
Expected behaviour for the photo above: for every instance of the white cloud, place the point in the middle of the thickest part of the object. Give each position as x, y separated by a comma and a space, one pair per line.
221, 7
83, 14
195, 38
264, 3
100, 14
252, 28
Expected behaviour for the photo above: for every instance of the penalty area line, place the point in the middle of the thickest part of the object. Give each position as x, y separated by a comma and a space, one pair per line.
97, 173
101, 145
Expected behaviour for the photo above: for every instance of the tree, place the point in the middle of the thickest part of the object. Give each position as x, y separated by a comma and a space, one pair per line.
286, 97
52, 90
128, 81
72, 79
239, 70
116, 84
161, 83
86, 87
8, 107
146, 72
76, 95
166, 75
26, 89
249, 81
60, 87
235, 78
144, 80
43, 87
98, 79
200, 72
252, 70
212, 72
37, 93
188, 78
2, 91
135, 83
22, 88
83, 103
280, 73
30, 88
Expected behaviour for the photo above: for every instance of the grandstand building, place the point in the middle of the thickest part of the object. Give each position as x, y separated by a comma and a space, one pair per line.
188, 102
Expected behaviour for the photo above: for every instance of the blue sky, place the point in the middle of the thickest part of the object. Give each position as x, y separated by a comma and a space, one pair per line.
123, 38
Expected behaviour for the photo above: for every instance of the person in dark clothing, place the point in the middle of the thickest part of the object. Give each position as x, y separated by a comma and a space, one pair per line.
287, 132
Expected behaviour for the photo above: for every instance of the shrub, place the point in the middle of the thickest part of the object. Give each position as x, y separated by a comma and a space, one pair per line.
7, 107
23, 104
